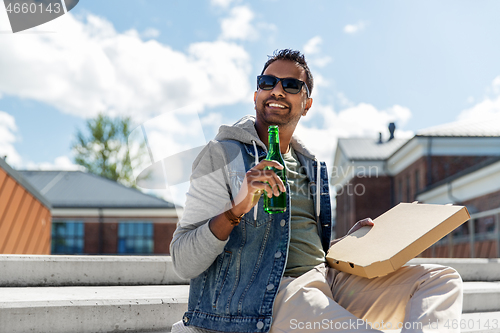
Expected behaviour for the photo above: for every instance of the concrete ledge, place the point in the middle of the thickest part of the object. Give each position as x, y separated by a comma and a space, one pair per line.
482, 297
156, 308
91, 309
475, 269
39, 270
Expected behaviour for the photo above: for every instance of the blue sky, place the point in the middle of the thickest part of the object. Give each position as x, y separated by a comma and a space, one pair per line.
418, 63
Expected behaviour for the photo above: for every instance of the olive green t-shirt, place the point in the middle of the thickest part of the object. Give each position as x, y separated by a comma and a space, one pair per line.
305, 249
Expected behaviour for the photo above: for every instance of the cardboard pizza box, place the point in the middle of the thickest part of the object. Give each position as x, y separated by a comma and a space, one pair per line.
398, 235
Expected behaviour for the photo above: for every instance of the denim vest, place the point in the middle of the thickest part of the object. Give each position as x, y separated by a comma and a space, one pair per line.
236, 293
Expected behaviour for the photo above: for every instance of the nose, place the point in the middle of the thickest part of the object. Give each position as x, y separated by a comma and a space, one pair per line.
278, 90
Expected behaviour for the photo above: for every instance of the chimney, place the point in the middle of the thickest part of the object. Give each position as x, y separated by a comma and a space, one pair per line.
380, 137
392, 128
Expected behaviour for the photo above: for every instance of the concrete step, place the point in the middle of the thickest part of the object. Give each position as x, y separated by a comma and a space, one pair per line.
36, 270
91, 309
145, 308
481, 297
474, 269
40, 270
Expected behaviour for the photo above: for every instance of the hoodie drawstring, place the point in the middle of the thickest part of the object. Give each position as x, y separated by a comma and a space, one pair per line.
318, 185
256, 207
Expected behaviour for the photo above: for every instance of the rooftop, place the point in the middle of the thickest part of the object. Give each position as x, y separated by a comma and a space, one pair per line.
369, 149
27, 185
77, 189
372, 149
486, 127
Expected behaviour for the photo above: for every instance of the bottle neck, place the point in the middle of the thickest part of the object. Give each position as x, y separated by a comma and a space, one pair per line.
274, 142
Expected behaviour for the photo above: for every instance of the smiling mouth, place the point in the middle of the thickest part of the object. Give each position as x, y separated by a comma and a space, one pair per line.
276, 105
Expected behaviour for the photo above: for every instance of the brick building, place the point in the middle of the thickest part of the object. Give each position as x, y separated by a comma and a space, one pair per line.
95, 215
477, 188
452, 163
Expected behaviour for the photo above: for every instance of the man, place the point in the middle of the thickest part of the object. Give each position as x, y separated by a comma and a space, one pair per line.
256, 272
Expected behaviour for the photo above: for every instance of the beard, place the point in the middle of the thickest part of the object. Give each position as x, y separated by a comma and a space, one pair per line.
282, 117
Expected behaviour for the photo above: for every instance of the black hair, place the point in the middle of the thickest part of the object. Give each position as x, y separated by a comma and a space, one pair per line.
295, 56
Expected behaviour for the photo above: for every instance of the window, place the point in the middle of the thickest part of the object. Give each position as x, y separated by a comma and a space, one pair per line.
488, 224
135, 237
67, 237
461, 230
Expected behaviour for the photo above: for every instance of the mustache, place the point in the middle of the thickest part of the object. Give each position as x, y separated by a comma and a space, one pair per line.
277, 100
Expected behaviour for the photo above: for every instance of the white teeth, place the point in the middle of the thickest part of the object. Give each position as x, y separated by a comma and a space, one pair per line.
276, 105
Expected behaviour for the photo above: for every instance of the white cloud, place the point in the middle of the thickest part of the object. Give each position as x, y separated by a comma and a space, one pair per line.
319, 81
361, 120
312, 45
321, 61
312, 48
8, 131
270, 32
221, 3
60, 163
150, 33
495, 85
86, 67
238, 26
172, 148
488, 107
354, 28
343, 100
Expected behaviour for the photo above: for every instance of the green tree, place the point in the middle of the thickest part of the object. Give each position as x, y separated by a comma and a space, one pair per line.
104, 150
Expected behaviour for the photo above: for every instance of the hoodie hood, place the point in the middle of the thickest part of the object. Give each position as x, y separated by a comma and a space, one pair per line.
244, 131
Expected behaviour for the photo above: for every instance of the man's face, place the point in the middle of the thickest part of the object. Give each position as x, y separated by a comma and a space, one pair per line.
276, 106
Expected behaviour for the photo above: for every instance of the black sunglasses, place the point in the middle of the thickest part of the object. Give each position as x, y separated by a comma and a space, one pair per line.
290, 85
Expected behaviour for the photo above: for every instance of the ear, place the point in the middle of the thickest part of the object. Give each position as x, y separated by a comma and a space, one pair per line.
254, 97
308, 106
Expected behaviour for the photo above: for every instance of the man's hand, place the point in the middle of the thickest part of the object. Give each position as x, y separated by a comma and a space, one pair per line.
255, 182
362, 223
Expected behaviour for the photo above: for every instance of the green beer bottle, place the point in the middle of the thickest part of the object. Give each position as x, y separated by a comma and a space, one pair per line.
275, 204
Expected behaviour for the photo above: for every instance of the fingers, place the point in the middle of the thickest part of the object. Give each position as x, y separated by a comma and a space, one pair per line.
258, 187
275, 182
271, 187
266, 163
259, 177
366, 222
362, 223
